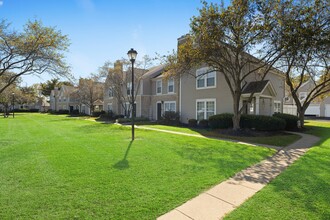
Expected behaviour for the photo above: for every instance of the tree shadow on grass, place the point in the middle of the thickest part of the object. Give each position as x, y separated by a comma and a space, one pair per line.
123, 164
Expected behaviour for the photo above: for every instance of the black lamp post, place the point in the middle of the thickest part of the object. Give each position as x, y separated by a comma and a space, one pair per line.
132, 56
13, 103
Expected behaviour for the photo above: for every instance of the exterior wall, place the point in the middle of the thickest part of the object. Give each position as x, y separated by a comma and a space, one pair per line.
190, 94
278, 82
163, 97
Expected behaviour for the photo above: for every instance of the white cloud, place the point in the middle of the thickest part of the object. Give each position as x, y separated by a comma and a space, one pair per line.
1, 3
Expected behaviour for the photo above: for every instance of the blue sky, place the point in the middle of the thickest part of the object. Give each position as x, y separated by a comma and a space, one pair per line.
102, 30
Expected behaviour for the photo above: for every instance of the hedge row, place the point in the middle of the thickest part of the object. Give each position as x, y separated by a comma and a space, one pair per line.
126, 120
222, 121
291, 120
257, 122
262, 123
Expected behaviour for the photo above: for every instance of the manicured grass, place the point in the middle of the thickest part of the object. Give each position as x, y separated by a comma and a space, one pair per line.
56, 167
280, 140
300, 192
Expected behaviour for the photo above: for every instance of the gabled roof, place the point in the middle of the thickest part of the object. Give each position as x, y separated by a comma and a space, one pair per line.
154, 72
258, 87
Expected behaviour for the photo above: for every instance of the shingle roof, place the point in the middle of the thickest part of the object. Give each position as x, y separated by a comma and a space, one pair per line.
255, 87
154, 72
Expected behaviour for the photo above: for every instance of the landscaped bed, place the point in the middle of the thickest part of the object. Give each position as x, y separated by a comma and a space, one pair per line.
277, 138
54, 167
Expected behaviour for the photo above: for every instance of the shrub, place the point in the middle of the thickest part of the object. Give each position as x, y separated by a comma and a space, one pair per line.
192, 122
26, 110
75, 112
62, 111
224, 120
108, 116
262, 123
118, 116
126, 120
171, 118
203, 123
291, 120
97, 113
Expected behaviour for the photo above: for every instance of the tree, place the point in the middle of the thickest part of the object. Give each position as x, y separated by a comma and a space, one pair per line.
223, 39
302, 32
26, 95
35, 50
119, 79
89, 90
6, 98
50, 85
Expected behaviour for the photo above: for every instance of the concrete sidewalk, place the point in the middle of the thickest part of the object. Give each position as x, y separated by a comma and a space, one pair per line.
228, 195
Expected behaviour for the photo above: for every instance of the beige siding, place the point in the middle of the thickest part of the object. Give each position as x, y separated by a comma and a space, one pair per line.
190, 94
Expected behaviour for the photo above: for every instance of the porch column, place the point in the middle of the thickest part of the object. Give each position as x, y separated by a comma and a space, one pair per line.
257, 105
271, 106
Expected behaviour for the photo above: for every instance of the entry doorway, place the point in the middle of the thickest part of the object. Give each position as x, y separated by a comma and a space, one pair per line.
159, 111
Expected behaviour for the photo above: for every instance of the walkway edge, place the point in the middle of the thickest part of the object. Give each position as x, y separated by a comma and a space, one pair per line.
223, 198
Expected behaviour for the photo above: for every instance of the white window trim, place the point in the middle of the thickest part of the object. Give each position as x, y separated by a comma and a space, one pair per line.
129, 87
206, 100
110, 105
161, 87
168, 86
111, 92
169, 102
205, 79
277, 102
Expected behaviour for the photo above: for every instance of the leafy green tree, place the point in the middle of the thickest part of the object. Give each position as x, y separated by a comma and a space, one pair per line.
302, 34
50, 85
35, 50
223, 38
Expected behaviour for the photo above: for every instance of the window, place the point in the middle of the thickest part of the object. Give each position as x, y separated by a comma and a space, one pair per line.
205, 80
277, 106
205, 108
127, 109
170, 85
159, 87
251, 109
169, 107
109, 107
110, 92
302, 96
129, 88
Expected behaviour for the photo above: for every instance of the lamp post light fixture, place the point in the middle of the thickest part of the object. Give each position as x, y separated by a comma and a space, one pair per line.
13, 104
132, 56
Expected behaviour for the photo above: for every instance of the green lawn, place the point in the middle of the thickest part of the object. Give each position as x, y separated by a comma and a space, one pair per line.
55, 167
300, 192
276, 140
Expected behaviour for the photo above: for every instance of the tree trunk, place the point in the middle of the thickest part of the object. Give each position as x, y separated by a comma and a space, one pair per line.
237, 115
302, 117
